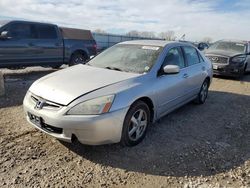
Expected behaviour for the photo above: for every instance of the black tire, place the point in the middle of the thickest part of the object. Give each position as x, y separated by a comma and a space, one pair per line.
202, 96
77, 58
129, 126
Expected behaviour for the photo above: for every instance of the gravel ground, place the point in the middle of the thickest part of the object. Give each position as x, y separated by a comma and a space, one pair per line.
195, 146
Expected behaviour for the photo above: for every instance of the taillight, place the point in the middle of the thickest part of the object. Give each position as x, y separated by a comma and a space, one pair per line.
95, 48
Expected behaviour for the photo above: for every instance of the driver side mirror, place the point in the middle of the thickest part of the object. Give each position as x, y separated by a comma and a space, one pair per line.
4, 35
171, 69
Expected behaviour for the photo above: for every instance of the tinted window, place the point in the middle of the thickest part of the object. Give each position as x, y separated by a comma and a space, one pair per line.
174, 57
19, 30
191, 55
46, 32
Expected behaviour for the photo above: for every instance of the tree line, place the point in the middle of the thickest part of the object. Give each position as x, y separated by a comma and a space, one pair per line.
167, 35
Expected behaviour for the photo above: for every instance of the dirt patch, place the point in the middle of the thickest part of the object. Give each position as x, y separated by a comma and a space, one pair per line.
195, 146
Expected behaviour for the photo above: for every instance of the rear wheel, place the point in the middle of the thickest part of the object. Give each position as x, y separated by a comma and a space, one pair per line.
77, 58
135, 124
202, 96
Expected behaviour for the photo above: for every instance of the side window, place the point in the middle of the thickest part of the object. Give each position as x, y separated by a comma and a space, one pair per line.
200, 57
46, 32
191, 55
174, 57
19, 30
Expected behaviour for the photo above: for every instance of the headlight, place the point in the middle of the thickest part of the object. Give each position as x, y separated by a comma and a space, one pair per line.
239, 59
93, 107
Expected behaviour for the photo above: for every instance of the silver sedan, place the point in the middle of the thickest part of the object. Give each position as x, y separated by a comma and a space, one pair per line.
119, 93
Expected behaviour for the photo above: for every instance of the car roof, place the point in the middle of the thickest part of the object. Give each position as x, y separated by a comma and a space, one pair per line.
28, 22
161, 43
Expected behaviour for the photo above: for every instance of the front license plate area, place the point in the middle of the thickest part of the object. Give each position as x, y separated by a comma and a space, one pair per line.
215, 67
35, 119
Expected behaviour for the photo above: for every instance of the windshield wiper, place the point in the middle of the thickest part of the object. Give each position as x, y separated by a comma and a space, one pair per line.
113, 68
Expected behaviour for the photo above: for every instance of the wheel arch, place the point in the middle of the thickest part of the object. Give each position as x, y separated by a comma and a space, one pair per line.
208, 79
81, 51
150, 104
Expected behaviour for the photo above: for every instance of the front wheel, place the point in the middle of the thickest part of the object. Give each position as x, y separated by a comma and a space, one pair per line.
135, 124
202, 96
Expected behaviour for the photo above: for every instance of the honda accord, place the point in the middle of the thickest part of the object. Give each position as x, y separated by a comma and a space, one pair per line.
119, 93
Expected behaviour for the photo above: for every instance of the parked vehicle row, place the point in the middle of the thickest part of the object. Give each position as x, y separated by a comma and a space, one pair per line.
24, 44
117, 94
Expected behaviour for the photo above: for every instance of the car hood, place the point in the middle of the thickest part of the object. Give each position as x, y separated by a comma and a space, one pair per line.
64, 86
222, 53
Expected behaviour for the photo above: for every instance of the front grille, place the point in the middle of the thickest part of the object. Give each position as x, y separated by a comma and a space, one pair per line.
46, 104
218, 59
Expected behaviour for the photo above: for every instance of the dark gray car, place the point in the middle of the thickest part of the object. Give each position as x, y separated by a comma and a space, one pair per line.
24, 44
229, 57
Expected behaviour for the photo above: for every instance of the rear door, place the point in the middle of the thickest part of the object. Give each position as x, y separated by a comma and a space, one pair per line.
48, 44
196, 70
172, 87
16, 51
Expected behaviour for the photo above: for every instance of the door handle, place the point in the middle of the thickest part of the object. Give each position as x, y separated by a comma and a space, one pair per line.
185, 75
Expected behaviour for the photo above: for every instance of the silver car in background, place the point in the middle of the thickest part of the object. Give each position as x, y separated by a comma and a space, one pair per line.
117, 94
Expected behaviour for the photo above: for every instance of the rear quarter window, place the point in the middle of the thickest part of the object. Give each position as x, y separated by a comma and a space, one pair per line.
200, 57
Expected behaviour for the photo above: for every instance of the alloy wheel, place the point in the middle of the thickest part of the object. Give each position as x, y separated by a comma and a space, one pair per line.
138, 125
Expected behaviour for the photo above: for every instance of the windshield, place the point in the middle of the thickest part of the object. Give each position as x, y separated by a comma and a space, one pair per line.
128, 58
229, 46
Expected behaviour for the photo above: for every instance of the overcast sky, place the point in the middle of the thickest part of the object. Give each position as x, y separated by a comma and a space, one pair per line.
218, 19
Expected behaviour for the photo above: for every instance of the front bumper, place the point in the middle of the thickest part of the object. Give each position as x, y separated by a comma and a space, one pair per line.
89, 129
227, 69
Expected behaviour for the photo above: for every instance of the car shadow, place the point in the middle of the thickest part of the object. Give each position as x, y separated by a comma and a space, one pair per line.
194, 140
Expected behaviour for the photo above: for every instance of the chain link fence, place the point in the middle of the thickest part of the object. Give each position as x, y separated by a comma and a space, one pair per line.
105, 41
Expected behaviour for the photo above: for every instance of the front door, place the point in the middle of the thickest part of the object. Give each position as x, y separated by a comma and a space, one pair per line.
15, 50
172, 87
